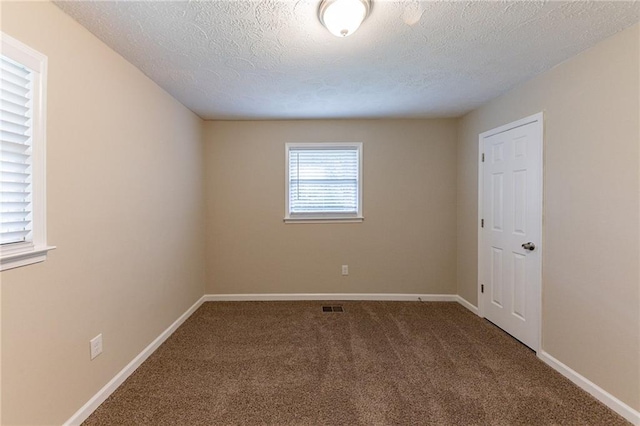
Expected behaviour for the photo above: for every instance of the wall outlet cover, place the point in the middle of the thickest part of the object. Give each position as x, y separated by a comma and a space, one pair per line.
96, 346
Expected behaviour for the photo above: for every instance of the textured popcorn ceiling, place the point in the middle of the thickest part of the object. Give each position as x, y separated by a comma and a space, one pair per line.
273, 59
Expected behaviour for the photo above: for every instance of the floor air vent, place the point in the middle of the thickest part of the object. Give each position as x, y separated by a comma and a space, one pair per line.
332, 309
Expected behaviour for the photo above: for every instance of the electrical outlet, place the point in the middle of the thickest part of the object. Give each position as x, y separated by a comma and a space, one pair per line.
345, 269
96, 346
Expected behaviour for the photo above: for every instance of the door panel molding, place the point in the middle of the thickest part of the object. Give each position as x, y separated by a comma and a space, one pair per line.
485, 266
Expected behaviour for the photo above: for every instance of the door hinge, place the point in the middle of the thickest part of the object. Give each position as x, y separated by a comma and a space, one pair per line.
481, 223
481, 288
483, 157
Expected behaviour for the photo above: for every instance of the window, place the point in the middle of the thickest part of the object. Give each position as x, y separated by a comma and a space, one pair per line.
324, 182
22, 155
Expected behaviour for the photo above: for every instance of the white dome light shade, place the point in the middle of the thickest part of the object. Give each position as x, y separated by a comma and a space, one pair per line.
343, 17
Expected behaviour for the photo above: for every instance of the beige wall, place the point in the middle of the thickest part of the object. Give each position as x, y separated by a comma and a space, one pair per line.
406, 243
125, 187
125, 211
591, 281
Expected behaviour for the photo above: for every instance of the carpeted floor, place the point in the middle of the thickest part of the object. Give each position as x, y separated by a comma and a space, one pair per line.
376, 363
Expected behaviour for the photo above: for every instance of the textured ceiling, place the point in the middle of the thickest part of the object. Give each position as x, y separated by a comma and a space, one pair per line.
272, 59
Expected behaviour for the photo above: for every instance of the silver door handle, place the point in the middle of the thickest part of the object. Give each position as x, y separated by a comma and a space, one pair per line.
529, 246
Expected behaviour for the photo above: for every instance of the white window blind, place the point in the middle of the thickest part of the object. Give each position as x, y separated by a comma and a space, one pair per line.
23, 91
324, 181
16, 112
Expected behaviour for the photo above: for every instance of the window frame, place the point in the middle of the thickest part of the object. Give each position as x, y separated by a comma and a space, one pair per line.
328, 217
18, 254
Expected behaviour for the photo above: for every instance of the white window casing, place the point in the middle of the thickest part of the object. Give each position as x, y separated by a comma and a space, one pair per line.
23, 78
323, 182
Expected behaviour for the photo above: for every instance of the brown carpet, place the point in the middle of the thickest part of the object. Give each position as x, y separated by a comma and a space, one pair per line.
377, 363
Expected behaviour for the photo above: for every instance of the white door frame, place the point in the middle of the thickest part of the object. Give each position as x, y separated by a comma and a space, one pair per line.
539, 117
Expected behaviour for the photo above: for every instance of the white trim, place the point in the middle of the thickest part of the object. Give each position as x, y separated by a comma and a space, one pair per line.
539, 117
467, 305
480, 272
37, 248
23, 258
87, 409
327, 220
515, 124
596, 391
331, 296
83, 413
322, 217
20, 52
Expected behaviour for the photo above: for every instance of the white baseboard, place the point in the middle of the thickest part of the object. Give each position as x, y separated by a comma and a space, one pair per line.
331, 296
467, 305
83, 413
596, 391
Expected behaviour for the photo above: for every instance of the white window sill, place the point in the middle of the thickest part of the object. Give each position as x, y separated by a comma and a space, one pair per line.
323, 220
23, 258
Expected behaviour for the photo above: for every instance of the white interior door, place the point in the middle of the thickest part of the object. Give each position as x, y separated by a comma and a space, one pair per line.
510, 233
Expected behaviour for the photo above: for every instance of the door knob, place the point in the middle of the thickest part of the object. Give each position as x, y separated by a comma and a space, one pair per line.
529, 246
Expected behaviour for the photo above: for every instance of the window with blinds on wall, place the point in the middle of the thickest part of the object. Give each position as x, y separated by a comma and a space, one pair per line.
324, 181
23, 81
16, 114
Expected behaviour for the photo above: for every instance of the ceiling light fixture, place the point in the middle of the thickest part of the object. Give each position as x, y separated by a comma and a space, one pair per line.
343, 17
